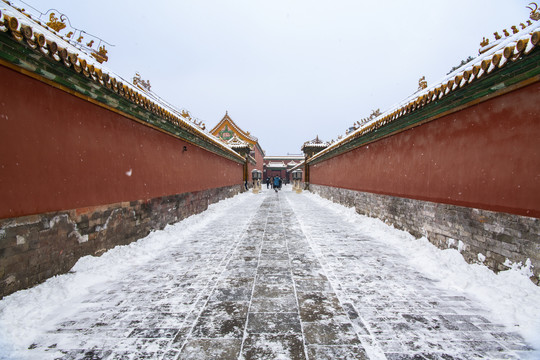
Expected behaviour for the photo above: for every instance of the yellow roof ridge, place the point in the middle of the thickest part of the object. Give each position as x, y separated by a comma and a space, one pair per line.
25, 29
508, 50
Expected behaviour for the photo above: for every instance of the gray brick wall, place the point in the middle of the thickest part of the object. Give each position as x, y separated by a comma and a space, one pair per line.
497, 236
37, 247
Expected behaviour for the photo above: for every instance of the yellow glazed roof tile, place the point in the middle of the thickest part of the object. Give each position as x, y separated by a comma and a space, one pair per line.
44, 39
505, 50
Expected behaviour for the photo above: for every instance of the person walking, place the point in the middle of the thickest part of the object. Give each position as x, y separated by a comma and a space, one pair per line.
277, 181
267, 182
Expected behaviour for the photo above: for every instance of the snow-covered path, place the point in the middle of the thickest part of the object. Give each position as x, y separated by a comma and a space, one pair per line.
268, 276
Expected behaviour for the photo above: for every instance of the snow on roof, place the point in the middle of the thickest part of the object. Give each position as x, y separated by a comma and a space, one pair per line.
236, 142
285, 157
491, 57
83, 59
276, 164
315, 143
298, 166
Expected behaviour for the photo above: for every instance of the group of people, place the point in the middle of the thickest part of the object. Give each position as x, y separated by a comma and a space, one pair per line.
275, 182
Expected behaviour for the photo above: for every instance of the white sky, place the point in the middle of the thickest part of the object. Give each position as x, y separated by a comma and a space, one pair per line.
288, 70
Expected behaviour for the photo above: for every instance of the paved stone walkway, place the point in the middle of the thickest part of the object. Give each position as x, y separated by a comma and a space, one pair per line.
279, 277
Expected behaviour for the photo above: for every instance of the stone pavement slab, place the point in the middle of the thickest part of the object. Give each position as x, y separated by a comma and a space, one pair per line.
278, 277
397, 312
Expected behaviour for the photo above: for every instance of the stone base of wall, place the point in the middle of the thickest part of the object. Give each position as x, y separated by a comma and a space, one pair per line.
496, 236
37, 247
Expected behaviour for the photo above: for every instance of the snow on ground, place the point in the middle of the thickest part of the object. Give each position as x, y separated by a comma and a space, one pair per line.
509, 295
172, 281
27, 314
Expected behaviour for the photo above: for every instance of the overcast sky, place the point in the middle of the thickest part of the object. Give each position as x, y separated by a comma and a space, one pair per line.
288, 70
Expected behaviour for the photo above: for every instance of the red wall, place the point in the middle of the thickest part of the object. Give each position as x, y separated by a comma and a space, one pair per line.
59, 152
486, 156
259, 158
281, 173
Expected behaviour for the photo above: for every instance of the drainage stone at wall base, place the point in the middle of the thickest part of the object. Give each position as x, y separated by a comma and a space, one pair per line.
482, 236
36, 247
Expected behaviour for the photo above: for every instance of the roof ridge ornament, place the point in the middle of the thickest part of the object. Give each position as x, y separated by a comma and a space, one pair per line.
374, 114
535, 14
73, 35
140, 83
422, 83
100, 55
314, 146
55, 23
